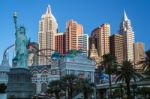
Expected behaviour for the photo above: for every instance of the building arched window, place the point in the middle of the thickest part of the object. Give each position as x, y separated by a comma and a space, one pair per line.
34, 73
44, 74
34, 88
43, 87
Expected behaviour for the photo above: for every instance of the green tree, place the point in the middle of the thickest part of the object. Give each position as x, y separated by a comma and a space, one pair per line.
2, 88
86, 87
70, 81
54, 87
110, 66
127, 74
146, 62
145, 91
72, 51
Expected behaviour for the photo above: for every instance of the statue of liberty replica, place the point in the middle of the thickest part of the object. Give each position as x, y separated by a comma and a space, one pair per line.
19, 77
21, 44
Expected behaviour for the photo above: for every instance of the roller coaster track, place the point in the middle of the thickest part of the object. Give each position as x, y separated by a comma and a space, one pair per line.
8, 49
37, 52
41, 52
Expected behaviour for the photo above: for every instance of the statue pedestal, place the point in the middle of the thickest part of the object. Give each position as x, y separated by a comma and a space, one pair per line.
19, 84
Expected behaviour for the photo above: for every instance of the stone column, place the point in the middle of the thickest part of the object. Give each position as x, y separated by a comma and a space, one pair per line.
38, 88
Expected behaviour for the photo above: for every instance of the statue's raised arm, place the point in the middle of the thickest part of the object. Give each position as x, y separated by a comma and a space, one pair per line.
21, 44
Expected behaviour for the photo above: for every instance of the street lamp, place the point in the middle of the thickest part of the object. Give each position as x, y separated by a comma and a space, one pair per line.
134, 86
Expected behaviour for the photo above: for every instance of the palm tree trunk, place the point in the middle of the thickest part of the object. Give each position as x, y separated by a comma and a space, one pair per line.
70, 93
57, 95
85, 95
110, 90
128, 90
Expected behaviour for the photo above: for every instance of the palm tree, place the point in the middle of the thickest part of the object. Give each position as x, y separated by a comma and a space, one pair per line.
69, 81
2, 88
54, 87
110, 66
145, 91
127, 74
85, 86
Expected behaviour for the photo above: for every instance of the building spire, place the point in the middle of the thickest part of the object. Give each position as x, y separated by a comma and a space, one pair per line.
48, 9
125, 16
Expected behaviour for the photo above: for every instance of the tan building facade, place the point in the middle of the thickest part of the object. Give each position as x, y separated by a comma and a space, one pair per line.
138, 54
116, 47
93, 55
47, 31
100, 37
73, 32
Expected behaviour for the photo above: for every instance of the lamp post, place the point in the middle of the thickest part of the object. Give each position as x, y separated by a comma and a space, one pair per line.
134, 86
121, 86
94, 92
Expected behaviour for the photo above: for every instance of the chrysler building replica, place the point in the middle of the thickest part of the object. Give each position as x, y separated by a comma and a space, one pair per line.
47, 31
128, 38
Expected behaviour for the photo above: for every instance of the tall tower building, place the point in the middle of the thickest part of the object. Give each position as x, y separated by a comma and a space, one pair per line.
116, 47
73, 31
83, 42
138, 54
100, 37
128, 38
47, 30
60, 43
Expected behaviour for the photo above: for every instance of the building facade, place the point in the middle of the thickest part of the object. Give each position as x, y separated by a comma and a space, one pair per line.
138, 54
33, 54
73, 31
116, 47
128, 38
4, 69
78, 65
41, 76
83, 43
60, 43
47, 30
93, 55
100, 37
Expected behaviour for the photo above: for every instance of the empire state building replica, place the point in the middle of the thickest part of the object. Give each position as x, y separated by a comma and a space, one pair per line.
128, 38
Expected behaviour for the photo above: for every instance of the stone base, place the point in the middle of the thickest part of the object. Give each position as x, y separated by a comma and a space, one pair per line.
19, 84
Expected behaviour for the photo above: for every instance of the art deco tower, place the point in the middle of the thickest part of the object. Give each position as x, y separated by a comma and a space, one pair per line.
128, 38
47, 30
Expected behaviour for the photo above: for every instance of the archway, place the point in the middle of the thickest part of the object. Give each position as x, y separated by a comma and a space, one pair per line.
34, 88
43, 87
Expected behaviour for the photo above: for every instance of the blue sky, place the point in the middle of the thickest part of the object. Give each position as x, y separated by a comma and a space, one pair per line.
90, 13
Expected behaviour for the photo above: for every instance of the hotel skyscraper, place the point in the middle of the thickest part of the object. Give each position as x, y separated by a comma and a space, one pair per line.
83, 42
60, 43
73, 32
128, 38
116, 47
100, 37
47, 30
